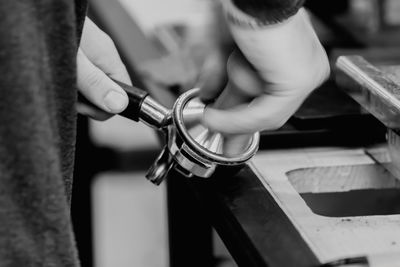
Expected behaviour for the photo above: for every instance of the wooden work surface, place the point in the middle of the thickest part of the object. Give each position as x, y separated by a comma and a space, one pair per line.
329, 238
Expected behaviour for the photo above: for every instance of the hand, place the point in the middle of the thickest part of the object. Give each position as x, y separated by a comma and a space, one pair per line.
97, 61
280, 65
192, 60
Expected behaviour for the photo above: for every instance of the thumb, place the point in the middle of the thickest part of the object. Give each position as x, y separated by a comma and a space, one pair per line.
98, 88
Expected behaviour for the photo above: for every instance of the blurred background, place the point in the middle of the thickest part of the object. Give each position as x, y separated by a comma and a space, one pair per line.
124, 223
120, 219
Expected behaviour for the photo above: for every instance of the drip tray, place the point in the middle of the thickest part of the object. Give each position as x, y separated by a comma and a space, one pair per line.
355, 202
345, 191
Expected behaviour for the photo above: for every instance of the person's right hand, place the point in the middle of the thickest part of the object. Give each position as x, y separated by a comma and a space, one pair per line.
279, 66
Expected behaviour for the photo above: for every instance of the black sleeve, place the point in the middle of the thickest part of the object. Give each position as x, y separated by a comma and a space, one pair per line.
269, 11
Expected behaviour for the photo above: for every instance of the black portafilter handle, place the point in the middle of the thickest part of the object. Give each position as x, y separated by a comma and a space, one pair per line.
141, 107
136, 97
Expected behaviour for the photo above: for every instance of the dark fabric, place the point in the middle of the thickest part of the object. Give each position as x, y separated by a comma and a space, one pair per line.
38, 44
269, 11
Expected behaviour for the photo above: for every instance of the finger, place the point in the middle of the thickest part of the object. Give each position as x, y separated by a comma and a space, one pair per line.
173, 70
98, 88
101, 51
89, 111
266, 112
212, 77
244, 83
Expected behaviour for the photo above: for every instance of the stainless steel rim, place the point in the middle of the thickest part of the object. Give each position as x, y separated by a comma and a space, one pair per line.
179, 122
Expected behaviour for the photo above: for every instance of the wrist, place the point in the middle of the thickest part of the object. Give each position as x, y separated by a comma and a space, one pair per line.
255, 14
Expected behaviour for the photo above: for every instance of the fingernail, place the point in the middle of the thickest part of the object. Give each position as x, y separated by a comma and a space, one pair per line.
115, 101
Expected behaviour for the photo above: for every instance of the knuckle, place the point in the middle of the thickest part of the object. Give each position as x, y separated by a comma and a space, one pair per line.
313, 77
94, 78
116, 65
301, 82
107, 41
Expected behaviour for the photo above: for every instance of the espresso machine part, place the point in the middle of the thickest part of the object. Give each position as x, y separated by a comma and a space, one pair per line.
191, 148
377, 91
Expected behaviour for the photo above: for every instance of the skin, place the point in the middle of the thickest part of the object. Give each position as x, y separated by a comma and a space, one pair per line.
97, 61
279, 65
268, 80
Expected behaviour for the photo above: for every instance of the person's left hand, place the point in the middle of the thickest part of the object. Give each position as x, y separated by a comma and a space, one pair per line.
97, 62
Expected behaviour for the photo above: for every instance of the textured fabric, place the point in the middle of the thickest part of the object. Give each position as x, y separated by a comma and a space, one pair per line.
269, 11
38, 44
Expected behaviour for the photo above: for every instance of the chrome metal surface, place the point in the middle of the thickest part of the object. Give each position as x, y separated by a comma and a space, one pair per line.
187, 115
186, 158
154, 114
378, 91
370, 87
160, 168
191, 148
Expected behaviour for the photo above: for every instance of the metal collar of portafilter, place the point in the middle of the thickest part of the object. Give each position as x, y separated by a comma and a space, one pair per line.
205, 153
192, 149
